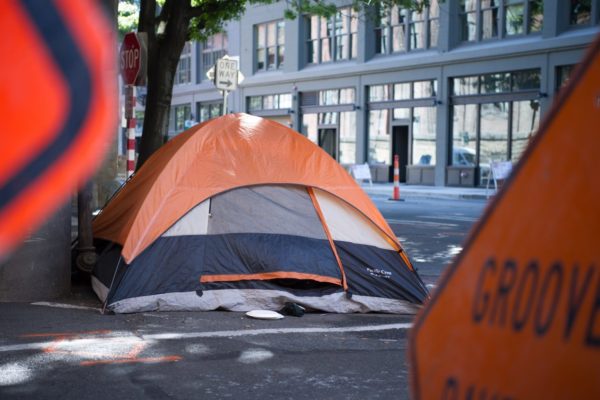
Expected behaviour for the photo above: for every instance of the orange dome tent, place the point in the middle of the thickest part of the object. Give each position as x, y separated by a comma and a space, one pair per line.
239, 213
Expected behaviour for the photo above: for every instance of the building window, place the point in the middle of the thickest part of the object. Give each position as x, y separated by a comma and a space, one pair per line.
521, 17
208, 111
580, 12
178, 115
329, 120
406, 103
493, 117
335, 132
480, 19
270, 45
214, 48
563, 73
184, 68
400, 30
270, 102
334, 38
403, 91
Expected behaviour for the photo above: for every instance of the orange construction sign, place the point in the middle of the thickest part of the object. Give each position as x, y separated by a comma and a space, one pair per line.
58, 91
517, 316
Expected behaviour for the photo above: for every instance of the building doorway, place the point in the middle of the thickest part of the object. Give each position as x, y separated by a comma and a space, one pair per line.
328, 141
400, 148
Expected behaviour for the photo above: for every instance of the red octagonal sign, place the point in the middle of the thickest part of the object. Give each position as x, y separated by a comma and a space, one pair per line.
130, 58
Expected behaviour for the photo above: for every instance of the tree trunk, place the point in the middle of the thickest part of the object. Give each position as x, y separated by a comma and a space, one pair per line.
163, 56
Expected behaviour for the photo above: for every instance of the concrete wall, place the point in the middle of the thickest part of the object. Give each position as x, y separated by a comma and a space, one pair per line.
41, 268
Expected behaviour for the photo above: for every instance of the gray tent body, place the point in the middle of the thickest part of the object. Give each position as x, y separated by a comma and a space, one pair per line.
258, 248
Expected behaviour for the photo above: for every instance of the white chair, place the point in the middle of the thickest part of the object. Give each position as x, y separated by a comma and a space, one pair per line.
498, 171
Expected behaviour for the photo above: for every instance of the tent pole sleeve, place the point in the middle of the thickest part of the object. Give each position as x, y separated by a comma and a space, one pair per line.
311, 193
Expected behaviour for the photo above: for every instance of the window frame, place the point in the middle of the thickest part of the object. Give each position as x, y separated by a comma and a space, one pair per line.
510, 95
183, 73
384, 31
277, 46
502, 7
594, 18
330, 25
212, 53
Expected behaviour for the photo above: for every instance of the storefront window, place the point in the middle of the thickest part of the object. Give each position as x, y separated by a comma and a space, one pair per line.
525, 123
379, 93
309, 127
402, 91
401, 113
332, 97
406, 109
347, 137
425, 89
464, 135
379, 137
563, 73
328, 118
495, 125
495, 83
208, 111
466, 85
526, 80
493, 142
423, 135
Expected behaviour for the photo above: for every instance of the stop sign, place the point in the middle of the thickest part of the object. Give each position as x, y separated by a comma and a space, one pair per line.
130, 58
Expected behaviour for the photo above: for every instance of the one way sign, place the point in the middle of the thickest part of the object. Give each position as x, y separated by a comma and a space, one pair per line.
226, 74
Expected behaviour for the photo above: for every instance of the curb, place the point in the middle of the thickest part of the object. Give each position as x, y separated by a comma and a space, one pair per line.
431, 195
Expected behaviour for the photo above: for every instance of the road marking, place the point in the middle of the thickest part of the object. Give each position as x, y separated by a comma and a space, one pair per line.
421, 223
62, 305
214, 334
450, 218
279, 331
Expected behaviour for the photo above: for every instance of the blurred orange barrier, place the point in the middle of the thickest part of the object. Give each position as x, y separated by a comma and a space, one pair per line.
58, 109
517, 316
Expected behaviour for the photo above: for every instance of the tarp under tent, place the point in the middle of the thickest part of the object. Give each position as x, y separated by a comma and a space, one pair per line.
240, 213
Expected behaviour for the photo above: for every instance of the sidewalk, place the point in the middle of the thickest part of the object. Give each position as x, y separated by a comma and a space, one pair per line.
437, 192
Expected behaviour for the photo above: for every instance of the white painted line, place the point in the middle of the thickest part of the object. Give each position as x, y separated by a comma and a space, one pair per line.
216, 334
450, 218
275, 331
24, 347
62, 305
419, 223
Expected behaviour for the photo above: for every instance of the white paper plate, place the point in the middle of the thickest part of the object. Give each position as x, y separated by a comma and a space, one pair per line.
264, 314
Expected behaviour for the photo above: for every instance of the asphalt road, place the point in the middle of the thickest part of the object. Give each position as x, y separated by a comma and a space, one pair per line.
49, 352
432, 231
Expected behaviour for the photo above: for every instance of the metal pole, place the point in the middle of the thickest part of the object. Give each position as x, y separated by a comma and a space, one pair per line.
226, 93
131, 123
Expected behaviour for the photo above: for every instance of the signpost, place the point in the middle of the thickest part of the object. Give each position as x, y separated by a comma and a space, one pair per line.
517, 316
131, 56
226, 77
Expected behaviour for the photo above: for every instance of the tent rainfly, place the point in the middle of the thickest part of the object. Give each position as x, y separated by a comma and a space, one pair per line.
240, 213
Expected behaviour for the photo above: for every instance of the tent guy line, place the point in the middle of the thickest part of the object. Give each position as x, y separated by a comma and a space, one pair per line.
226, 334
